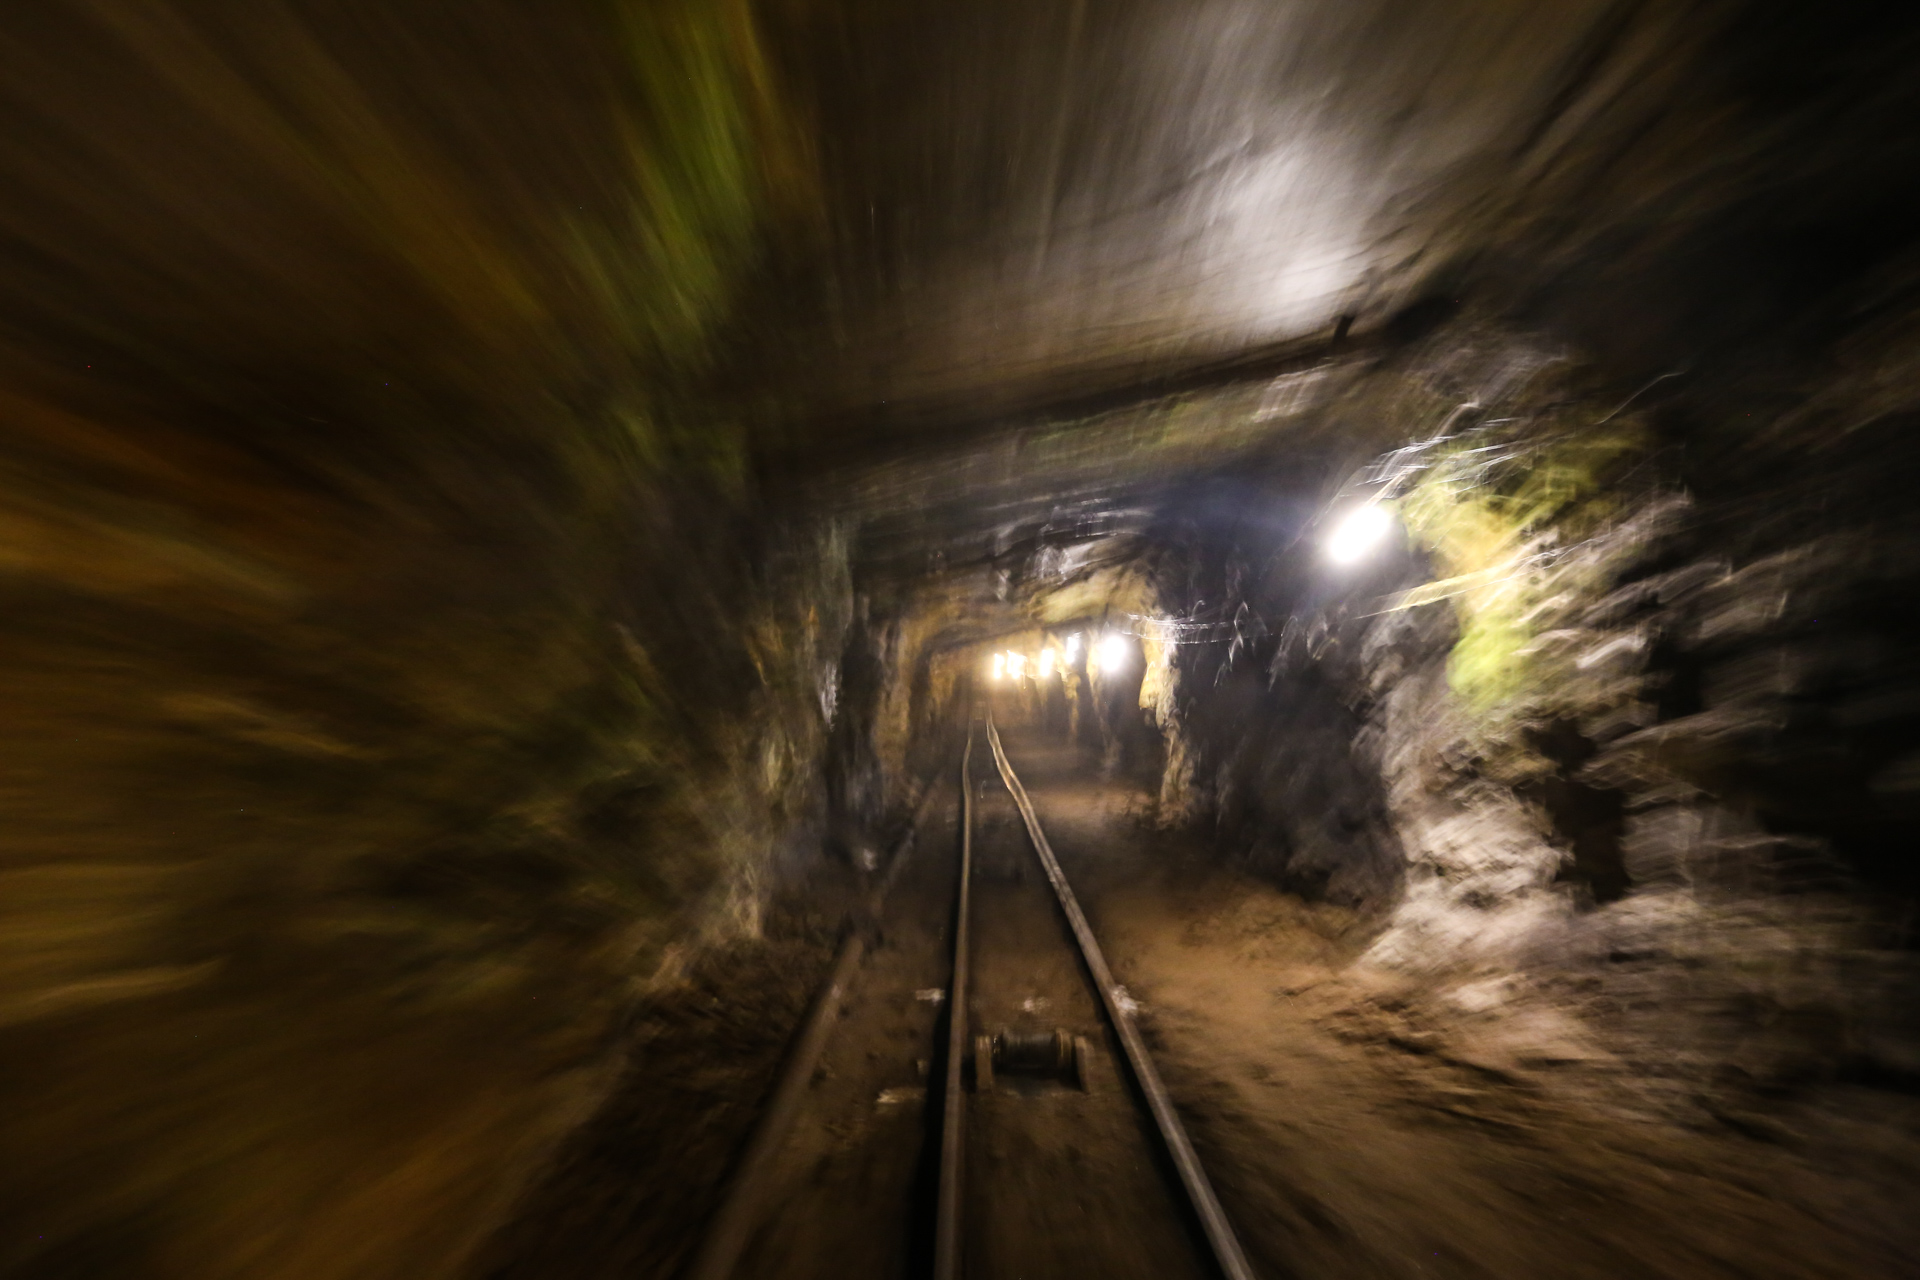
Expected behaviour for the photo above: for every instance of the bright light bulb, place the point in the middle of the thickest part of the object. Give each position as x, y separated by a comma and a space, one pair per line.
1016, 664
1073, 646
999, 665
1358, 532
1046, 662
1113, 655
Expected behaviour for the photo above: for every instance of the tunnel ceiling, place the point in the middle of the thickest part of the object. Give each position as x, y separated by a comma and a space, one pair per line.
1074, 256
1032, 203
1071, 480
1036, 192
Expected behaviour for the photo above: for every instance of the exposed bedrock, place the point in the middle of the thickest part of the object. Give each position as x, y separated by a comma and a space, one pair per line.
1640, 753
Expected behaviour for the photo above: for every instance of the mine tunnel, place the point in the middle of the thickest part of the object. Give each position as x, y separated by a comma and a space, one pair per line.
827, 638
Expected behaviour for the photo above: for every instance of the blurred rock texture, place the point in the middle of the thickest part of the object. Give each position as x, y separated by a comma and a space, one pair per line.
395, 694
1626, 739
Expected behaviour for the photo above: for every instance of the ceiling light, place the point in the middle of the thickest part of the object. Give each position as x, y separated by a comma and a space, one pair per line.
1358, 532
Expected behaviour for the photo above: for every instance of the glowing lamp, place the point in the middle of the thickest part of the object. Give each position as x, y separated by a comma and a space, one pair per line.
1113, 655
1357, 533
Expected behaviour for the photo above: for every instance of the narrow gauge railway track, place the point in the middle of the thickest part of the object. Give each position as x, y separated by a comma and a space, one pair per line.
1051, 1162
989, 1050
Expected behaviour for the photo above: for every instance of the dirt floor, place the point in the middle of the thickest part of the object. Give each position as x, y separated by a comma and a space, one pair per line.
1352, 1124
1354, 1128
628, 1196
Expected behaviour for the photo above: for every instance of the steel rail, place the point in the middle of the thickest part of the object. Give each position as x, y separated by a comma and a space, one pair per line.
731, 1226
1213, 1219
946, 1235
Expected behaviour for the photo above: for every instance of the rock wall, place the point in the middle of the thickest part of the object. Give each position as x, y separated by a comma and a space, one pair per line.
1631, 734
400, 684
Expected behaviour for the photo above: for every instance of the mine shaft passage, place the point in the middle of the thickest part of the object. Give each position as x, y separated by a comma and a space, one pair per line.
974, 639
